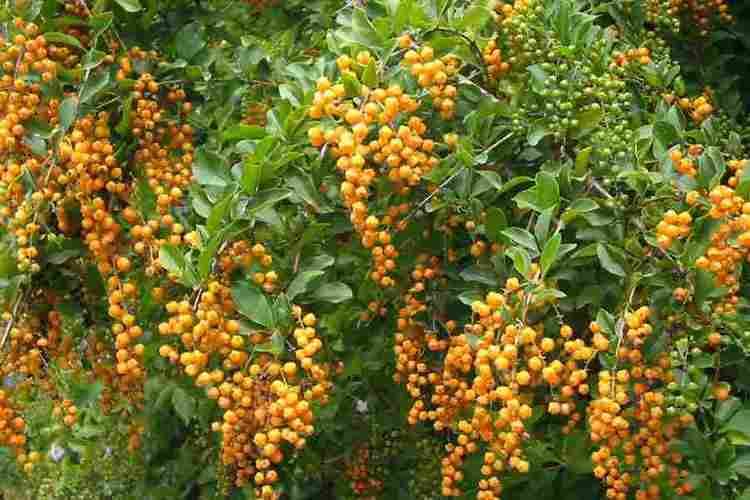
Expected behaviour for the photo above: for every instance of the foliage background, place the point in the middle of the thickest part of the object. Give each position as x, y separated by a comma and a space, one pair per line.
231, 57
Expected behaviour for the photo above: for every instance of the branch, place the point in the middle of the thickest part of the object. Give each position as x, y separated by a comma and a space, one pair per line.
434, 193
12, 320
598, 187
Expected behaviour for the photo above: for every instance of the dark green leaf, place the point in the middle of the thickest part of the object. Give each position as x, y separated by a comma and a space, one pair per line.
494, 224
242, 131
547, 190
252, 304
301, 282
68, 112
55, 37
218, 213
94, 85
184, 404
608, 262
333, 292
521, 237
172, 259
521, 260
479, 275
210, 169
190, 40
550, 252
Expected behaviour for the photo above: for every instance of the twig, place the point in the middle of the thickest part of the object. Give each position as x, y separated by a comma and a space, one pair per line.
296, 262
197, 299
12, 320
620, 328
598, 187
434, 193
499, 141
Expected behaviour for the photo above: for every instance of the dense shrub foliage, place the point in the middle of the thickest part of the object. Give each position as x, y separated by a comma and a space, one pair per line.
397, 249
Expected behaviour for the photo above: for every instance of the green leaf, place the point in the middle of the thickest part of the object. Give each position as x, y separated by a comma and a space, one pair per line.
123, 126
68, 112
536, 134
318, 263
145, 198
37, 145
364, 31
55, 37
515, 182
275, 346
665, 133
301, 282
304, 189
94, 85
475, 17
742, 466
550, 252
184, 404
743, 187
101, 22
370, 74
543, 223
333, 292
479, 275
587, 121
494, 224
253, 304
218, 212
84, 395
547, 190
608, 262
206, 257
522, 237
538, 78
264, 200
582, 160
172, 259
129, 5
190, 40
470, 296
242, 131
493, 178
740, 423
210, 169
351, 85
521, 260
576, 452
252, 173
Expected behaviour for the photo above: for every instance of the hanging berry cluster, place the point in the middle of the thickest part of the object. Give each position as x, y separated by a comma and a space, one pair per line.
628, 421
481, 383
365, 152
691, 16
74, 186
266, 399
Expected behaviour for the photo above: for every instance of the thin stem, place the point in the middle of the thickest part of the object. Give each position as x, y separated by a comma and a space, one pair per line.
12, 320
434, 193
598, 187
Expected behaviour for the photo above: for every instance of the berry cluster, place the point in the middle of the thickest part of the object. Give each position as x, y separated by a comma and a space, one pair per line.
434, 75
695, 16
698, 108
628, 421
266, 400
673, 226
364, 153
